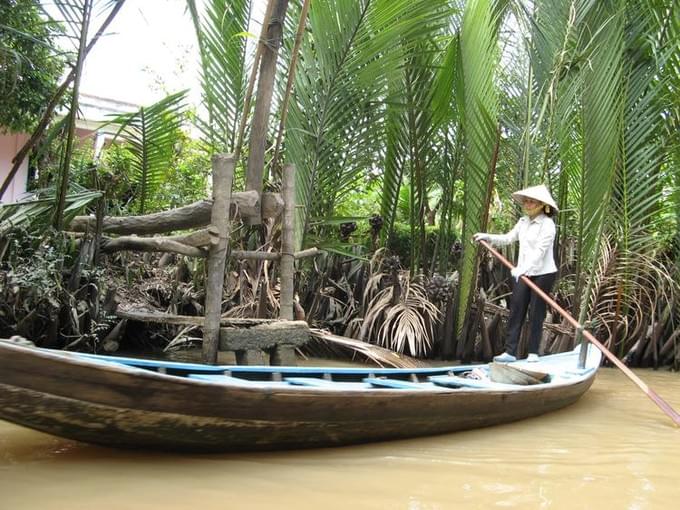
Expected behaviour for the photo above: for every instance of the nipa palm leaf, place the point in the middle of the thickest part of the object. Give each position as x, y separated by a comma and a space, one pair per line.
151, 134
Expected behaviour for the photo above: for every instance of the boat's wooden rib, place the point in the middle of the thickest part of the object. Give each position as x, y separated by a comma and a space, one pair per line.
133, 403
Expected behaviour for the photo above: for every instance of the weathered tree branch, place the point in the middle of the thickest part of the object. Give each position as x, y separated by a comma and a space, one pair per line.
189, 245
154, 244
128, 312
190, 216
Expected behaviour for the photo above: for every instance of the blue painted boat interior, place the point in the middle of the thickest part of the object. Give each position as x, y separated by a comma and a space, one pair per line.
562, 369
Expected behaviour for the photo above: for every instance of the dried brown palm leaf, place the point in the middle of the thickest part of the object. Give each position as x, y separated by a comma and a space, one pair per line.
244, 311
409, 325
404, 326
374, 285
629, 289
353, 328
378, 355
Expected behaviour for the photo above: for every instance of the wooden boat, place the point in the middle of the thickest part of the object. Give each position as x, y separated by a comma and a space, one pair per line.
138, 403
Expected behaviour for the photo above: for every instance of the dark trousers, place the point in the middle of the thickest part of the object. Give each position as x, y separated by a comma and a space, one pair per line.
522, 298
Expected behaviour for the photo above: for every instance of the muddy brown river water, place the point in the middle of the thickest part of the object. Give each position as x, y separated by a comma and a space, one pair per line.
612, 450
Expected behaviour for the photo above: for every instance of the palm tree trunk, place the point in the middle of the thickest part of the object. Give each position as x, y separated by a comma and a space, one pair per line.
68, 152
265, 89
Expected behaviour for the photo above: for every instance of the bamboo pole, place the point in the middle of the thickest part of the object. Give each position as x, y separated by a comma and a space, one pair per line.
287, 243
223, 175
661, 403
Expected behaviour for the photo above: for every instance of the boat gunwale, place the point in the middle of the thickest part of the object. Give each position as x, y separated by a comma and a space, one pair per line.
112, 364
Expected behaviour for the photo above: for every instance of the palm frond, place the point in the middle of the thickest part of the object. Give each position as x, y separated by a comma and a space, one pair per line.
221, 30
36, 212
404, 327
151, 134
602, 130
335, 124
478, 103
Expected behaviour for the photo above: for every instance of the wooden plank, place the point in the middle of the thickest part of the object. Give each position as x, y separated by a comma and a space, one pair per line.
237, 381
316, 382
452, 381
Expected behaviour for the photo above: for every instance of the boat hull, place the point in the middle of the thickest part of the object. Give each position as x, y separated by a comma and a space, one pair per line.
126, 407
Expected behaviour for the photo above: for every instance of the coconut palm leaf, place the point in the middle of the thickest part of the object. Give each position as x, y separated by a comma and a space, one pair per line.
221, 30
151, 134
406, 326
69, 14
356, 348
670, 21
395, 162
642, 180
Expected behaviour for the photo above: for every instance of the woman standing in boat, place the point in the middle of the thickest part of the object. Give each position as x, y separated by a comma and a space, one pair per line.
535, 232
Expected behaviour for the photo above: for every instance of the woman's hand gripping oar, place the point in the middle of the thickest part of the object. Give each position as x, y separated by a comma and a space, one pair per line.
665, 406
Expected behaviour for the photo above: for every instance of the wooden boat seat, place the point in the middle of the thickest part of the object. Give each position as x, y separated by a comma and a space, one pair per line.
453, 381
237, 381
396, 384
317, 382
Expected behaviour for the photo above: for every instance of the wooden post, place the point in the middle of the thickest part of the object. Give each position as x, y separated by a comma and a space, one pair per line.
287, 243
265, 89
583, 354
223, 175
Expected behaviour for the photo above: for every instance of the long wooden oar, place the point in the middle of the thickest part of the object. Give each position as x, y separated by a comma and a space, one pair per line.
665, 406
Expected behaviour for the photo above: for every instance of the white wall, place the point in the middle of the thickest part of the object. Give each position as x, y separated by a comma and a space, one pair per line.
9, 146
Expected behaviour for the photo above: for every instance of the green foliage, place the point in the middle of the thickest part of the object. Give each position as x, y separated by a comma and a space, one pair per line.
400, 242
478, 102
114, 174
221, 29
361, 201
186, 180
334, 128
34, 215
152, 134
37, 262
31, 282
29, 67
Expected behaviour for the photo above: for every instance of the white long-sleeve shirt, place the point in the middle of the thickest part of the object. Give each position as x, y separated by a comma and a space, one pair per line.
536, 239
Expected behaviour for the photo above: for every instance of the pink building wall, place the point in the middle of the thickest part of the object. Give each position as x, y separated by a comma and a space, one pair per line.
9, 146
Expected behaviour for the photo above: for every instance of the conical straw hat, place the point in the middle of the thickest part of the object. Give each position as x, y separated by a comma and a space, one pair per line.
540, 193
